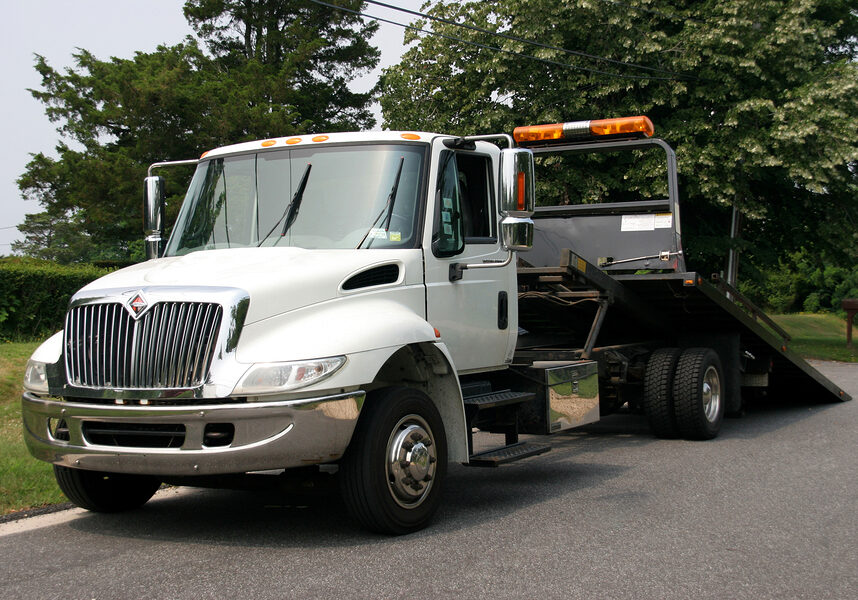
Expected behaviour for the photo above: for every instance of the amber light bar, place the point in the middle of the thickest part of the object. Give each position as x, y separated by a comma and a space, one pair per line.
579, 130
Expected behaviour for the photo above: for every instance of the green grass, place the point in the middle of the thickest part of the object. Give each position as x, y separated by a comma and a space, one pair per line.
821, 336
24, 481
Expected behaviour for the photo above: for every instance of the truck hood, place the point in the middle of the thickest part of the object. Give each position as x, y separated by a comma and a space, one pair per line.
278, 280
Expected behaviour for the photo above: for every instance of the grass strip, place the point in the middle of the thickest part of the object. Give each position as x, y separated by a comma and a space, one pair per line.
821, 336
24, 481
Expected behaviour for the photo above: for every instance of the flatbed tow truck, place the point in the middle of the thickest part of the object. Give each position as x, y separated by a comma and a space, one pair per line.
364, 302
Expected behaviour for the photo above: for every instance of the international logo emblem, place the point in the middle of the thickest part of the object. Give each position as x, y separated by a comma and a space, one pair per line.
137, 305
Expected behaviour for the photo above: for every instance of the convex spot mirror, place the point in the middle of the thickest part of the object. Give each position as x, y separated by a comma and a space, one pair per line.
517, 234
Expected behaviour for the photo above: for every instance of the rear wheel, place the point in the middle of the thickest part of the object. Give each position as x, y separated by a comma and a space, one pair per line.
393, 471
698, 394
105, 492
658, 392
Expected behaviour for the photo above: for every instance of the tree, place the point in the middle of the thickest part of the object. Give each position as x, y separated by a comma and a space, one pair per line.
760, 99
176, 102
298, 54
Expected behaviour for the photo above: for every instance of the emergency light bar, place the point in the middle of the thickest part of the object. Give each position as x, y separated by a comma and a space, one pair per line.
577, 131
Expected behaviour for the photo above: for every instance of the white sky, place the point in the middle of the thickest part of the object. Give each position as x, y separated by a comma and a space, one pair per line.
55, 28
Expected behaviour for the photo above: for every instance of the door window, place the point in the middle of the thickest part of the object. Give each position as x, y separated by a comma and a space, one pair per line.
465, 203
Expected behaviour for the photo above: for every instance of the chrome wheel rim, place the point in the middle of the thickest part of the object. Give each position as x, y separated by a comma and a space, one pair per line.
411, 461
711, 394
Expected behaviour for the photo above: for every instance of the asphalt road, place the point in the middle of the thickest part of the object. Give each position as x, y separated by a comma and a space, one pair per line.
768, 510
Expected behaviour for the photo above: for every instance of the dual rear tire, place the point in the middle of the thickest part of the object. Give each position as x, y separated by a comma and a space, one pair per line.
684, 393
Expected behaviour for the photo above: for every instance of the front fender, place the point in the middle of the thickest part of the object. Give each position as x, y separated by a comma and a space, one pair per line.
368, 329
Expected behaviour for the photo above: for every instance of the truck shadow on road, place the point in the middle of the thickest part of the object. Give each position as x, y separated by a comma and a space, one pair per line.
472, 498
582, 460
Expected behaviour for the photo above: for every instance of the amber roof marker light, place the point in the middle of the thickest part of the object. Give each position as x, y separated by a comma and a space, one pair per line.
639, 126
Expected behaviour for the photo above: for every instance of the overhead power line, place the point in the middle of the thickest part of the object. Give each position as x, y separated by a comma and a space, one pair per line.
524, 41
498, 49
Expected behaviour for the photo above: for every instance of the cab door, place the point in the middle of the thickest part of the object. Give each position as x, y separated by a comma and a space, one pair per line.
477, 314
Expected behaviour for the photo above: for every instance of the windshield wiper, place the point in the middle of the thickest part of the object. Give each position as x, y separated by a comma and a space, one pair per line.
291, 212
388, 207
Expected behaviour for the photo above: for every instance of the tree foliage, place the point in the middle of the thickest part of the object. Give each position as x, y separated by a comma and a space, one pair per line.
760, 100
268, 69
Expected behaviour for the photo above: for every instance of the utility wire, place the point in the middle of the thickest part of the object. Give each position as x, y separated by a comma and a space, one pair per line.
524, 41
495, 48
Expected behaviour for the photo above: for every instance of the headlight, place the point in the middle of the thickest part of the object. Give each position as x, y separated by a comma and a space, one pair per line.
36, 377
272, 378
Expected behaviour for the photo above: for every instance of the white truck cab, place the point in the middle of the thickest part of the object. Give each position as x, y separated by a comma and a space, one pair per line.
307, 280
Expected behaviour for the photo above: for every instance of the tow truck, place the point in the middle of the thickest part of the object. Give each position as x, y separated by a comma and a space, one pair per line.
365, 302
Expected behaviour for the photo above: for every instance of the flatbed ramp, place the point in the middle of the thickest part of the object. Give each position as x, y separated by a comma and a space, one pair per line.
623, 265
695, 304
669, 308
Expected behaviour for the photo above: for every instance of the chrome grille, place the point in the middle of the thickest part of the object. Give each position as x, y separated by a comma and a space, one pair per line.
170, 346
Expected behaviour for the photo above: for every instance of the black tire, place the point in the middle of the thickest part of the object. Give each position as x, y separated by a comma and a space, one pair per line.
698, 394
658, 392
105, 492
395, 496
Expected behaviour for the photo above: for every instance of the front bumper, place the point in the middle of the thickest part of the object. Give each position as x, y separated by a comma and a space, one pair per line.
267, 435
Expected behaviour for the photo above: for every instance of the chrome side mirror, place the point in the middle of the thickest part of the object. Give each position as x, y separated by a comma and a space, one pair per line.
153, 215
517, 193
517, 199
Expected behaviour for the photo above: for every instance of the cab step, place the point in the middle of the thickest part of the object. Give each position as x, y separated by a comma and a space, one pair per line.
507, 454
495, 399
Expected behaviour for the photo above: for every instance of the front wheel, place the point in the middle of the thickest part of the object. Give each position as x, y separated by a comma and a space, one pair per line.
105, 492
393, 471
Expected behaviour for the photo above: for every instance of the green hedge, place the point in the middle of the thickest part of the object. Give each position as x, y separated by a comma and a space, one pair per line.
34, 295
802, 281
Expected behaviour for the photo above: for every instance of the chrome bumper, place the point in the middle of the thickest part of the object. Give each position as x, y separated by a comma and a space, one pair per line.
267, 435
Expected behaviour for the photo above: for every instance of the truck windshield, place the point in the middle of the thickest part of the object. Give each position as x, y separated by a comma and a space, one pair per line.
234, 202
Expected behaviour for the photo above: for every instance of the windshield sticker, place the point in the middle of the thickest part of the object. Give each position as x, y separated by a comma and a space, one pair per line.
377, 234
395, 236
